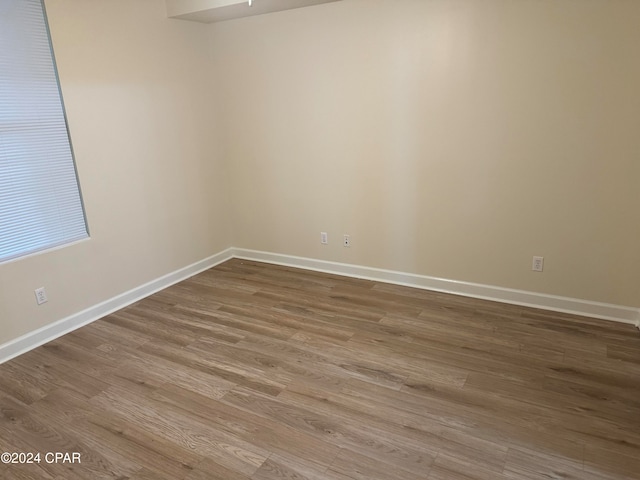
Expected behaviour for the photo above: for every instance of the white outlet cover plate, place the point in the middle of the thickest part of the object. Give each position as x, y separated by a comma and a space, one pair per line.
41, 295
538, 264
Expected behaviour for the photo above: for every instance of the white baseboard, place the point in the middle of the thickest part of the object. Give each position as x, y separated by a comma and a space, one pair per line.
555, 303
50, 332
54, 330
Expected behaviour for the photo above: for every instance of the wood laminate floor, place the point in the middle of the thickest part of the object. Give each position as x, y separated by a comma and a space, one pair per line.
254, 371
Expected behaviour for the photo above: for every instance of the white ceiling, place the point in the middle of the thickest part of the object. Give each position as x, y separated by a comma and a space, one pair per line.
209, 11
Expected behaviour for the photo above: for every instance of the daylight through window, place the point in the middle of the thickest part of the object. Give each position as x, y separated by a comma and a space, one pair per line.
40, 201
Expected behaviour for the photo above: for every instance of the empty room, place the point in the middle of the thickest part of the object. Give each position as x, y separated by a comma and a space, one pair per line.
319, 239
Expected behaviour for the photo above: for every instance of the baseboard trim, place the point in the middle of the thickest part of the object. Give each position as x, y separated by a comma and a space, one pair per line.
555, 303
54, 330
575, 306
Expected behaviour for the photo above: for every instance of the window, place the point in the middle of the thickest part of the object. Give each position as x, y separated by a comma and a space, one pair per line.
40, 201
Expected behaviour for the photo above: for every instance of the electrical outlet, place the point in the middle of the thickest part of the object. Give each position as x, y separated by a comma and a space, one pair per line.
538, 264
324, 239
347, 241
41, 295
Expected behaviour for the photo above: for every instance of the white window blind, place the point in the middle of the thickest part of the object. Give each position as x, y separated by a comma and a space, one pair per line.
40, 202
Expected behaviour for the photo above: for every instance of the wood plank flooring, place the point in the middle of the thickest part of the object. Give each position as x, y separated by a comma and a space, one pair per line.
254, 371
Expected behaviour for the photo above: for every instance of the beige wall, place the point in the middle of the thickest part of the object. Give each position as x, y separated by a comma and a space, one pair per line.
450, 138
137, 90
454, 139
